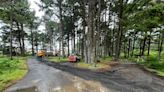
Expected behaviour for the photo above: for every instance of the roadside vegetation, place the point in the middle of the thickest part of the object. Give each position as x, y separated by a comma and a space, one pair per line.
103, 64
97, 30
57, 59
151, 62
11, 70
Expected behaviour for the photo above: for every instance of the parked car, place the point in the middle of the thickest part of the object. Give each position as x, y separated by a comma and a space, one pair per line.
73, 58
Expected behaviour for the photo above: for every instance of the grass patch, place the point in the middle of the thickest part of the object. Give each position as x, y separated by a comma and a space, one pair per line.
158, 72
91, 66
57, 59
11, 70
157, 67
101, 65
151, 62
84, 65
106, 59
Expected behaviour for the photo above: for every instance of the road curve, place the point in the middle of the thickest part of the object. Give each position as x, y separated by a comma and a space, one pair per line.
43, 78
122, 78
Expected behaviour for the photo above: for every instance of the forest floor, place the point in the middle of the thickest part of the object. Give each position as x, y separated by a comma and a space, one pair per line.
64, 77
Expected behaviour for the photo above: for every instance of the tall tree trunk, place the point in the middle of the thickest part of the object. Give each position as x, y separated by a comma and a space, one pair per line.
112, 41
82, 47
11, 30
143, 46
129, 46
149, 44
36, 48
134, 40
23, 43
160, 45
61, 26
86, 51
91, 38
60, 48
68, 46
97, 38
19, 37
125, 50
79, 43
32, 41
120, 30
74, 44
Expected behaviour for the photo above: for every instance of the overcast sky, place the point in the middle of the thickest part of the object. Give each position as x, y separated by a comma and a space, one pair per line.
36, 8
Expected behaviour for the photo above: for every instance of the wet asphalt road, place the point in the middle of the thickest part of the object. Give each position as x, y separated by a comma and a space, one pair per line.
122, 78
55, 77
43, 78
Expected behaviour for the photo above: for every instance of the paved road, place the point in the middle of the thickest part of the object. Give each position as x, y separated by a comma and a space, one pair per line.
122, 78
43, 78
62, 77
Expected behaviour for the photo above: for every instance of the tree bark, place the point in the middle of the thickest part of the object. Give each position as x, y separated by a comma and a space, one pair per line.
68, 46
134, 40
120, 30
11, 30
140, 47
129, 46
61, 26
149, 43
125, 50
97, 38
160, 45
32, 41
91, 38
23, 43
83, 45
143, 46
19, 37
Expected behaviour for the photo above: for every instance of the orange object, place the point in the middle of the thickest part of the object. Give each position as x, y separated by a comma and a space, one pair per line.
41, 53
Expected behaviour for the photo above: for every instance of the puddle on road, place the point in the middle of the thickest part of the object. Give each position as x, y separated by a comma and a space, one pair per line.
81, 85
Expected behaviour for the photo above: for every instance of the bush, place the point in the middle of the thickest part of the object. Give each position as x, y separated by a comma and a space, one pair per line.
156, 65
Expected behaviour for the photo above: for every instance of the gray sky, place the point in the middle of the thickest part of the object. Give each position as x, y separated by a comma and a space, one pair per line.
36, 8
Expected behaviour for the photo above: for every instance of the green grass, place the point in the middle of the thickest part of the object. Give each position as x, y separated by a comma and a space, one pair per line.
57, 59
151, 62
105, 59
100, 65
82, 64
91, 66
158, 72
11, 70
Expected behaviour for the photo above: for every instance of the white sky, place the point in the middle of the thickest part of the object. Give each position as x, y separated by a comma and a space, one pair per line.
36, 8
